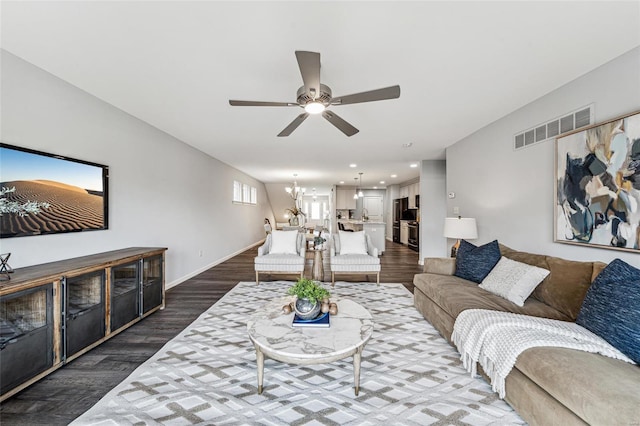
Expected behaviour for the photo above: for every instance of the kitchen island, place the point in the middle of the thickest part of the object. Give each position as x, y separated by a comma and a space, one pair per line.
375, 230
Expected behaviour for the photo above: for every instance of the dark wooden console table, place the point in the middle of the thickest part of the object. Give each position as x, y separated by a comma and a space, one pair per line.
52, 313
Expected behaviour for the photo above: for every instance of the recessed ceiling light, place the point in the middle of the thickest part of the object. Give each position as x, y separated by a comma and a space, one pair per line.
341, 182
353, 165
381, 182
414, 165
407, 145
394, 176
375, 187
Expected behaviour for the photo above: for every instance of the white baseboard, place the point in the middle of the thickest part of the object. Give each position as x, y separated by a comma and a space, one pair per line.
209, 266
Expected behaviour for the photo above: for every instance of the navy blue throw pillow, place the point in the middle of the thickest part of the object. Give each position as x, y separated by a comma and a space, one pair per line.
611, 308
474, 263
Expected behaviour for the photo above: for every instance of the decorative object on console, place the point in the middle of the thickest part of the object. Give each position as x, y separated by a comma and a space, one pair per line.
5, 269
597, 183
474, 263
459, 228
74, 193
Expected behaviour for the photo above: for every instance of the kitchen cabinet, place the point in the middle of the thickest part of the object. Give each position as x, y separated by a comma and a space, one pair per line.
404, 191
344, 199
53, 313
413, 189
410, 191
404, 232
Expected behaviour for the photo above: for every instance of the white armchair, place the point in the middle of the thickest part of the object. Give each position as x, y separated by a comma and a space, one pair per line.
283, 252
352, 252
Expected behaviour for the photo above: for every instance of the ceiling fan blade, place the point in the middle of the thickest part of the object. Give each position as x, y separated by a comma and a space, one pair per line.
309, 63
392, 92
342, 125
259, 103
294, 124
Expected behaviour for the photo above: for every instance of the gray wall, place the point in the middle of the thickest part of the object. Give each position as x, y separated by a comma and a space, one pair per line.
433, 209
162, 192
510, 193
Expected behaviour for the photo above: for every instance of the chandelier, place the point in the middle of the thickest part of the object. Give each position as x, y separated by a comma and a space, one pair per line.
295, 191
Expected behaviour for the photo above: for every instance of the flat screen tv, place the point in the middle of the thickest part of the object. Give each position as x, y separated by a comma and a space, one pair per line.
43, 193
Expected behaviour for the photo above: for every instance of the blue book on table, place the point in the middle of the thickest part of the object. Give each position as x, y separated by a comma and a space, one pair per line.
321, 321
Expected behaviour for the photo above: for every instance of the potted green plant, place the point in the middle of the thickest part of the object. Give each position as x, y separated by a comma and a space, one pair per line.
318, 241
309, 297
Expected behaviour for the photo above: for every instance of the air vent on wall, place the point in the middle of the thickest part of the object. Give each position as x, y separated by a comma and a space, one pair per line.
566, 123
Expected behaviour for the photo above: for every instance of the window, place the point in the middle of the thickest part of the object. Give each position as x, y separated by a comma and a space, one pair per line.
315, 209
244, 194
237, 192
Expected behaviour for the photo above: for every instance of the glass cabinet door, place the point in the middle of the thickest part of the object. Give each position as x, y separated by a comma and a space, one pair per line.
84, 311
26, 335
152, 270
125, 294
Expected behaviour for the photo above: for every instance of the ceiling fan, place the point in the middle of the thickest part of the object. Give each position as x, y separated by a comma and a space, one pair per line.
315, 98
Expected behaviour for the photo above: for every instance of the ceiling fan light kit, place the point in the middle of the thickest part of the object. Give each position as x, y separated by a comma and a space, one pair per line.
315, 98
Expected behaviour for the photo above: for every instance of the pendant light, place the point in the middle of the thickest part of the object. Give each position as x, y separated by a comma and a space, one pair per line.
360, 193
355, 195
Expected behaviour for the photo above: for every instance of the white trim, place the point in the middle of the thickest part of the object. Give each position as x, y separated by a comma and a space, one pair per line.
211, 265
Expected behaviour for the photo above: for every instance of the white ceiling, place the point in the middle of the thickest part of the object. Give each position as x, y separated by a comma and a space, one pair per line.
460, 66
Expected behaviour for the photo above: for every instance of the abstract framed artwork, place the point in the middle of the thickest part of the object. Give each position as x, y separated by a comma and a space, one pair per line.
597, 193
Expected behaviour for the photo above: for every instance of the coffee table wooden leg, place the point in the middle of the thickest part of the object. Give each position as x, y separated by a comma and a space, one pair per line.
356, 368
260, 363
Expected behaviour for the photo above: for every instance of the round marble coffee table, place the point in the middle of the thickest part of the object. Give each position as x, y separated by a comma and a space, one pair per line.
273, 336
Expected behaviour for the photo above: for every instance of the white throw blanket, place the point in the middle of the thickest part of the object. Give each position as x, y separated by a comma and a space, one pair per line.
495, 339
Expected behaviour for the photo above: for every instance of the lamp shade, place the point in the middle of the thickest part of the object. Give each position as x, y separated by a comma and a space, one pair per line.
460, 227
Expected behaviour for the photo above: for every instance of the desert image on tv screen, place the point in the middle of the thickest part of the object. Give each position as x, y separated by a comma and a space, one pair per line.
42, 194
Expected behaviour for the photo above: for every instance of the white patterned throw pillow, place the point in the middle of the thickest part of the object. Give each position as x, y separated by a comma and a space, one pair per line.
352, 242
283, 242
514, 281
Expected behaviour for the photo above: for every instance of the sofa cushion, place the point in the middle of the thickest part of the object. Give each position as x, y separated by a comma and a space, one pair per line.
355, 259
454, 295
279, 259
474, 263
565, 286
352, 243
611, 308
283, 242
598, 389
513, 280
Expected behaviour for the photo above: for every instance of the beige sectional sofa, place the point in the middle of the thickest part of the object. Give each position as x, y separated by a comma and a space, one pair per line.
547, 386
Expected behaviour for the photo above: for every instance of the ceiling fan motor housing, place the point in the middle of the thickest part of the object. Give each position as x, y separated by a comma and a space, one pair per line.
303, 98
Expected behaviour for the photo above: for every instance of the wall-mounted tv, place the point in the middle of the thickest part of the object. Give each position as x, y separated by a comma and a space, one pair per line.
43, 193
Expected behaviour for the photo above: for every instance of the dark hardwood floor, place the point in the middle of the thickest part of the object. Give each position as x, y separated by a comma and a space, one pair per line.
68, 392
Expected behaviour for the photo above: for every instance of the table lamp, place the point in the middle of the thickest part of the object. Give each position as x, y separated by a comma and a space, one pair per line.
458, 228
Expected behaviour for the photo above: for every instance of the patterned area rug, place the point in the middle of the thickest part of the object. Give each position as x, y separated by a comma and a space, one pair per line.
207, 374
